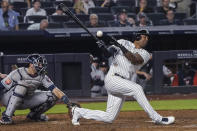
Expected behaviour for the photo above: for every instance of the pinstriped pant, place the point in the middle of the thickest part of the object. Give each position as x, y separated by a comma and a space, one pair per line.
118, 89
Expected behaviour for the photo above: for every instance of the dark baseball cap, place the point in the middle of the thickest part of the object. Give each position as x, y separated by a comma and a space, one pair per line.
59, 8
123, 11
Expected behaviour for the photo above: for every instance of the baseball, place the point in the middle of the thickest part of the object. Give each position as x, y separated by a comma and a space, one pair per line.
99, 33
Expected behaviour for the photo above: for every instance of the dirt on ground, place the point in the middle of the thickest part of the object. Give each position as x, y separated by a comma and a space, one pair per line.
186, 120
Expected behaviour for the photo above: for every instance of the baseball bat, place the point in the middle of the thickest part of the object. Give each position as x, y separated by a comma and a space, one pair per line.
68, 12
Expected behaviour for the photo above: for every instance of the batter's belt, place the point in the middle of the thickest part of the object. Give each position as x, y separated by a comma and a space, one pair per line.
116, 74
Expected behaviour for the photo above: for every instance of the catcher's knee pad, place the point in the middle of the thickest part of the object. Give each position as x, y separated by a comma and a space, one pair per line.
43, 107
15, 99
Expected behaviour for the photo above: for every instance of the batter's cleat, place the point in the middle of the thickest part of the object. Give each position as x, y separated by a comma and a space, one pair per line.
70, 106
5, 120
41, 117
167, 120
75, 117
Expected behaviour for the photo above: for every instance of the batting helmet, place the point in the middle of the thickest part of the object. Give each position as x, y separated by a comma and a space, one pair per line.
137, 35
39, 62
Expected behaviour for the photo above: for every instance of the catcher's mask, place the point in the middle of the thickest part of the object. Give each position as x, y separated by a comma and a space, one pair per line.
39, 62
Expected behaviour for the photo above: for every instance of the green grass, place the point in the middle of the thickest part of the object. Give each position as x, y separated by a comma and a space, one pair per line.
128, 106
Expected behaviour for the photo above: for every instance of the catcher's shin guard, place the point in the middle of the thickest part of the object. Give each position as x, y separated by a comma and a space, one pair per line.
37, 112
15, 100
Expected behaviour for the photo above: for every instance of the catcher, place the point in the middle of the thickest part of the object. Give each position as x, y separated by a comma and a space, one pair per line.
18, 91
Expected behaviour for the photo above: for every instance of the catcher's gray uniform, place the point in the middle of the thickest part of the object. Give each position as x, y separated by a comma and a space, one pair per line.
20, 92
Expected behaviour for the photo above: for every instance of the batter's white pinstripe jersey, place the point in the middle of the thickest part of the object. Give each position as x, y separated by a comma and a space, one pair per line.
118, 87
121, 65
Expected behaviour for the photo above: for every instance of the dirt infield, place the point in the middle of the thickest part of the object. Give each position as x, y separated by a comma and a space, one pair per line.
186, 120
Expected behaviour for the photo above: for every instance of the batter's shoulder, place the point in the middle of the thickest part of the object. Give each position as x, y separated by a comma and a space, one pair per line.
145, 52
145, 55
124, 42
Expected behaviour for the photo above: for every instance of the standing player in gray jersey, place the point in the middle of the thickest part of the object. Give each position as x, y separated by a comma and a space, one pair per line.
19, 91
128, 57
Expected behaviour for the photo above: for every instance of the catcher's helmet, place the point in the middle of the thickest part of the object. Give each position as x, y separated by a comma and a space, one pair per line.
39, 62
138, 34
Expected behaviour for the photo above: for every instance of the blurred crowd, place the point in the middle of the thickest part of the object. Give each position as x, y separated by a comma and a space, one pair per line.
42, 14
98, 71
175, 73
185, 73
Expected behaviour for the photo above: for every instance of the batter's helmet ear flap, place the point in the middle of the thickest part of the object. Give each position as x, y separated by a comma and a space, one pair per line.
137, 36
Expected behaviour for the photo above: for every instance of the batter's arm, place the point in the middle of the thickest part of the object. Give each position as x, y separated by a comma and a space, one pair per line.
134, 58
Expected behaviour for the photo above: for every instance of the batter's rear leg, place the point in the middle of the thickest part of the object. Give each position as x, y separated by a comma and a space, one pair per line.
114, 104
129, 88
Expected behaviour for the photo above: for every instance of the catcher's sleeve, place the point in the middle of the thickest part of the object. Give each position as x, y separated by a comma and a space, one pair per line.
59, 94
10, 79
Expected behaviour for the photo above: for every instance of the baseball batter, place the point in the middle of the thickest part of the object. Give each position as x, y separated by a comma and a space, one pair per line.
20, 86
128, 57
